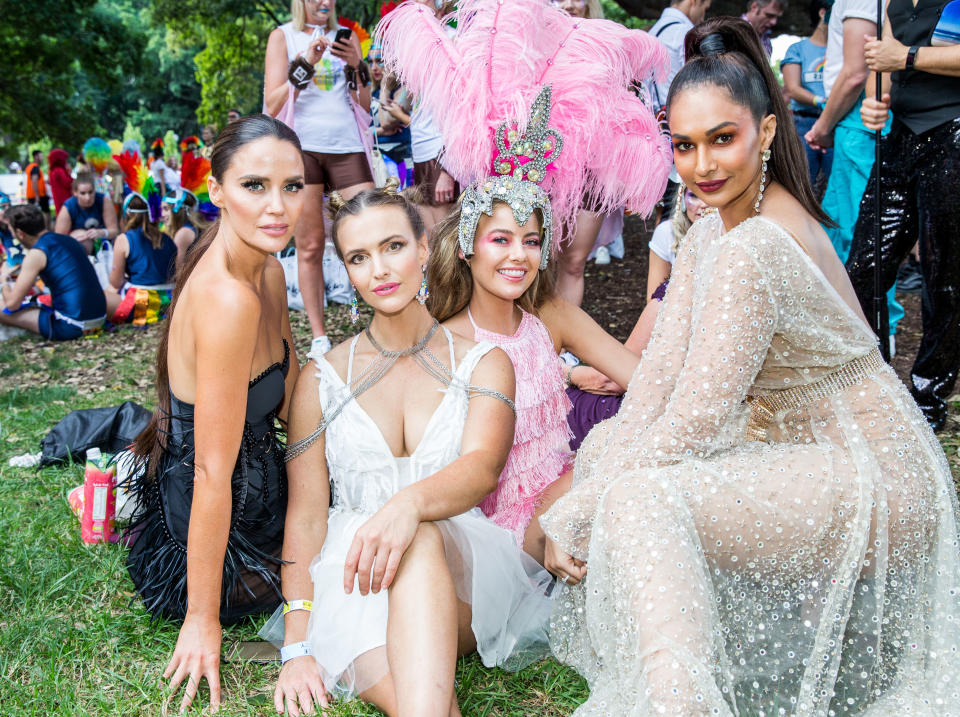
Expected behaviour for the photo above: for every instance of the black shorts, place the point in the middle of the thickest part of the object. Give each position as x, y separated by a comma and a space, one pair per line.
44, 203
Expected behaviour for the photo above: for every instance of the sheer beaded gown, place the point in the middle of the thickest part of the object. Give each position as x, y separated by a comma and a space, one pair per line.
768, 522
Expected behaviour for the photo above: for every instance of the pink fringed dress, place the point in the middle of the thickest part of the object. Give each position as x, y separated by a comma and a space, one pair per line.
541, 451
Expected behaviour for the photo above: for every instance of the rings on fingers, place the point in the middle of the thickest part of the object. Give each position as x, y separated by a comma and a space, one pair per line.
564, 579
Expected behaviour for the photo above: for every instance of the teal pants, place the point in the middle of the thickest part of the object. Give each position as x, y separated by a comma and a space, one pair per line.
854, 150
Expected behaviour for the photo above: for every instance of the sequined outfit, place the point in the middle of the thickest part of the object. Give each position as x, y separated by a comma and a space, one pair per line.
158, 532
813, 572
540, 452
918, 202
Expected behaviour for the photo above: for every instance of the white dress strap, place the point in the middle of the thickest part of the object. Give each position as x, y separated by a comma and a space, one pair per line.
470, 316
353, 348
453, 356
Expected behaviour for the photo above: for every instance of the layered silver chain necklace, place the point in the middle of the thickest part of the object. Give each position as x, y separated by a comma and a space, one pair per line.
378, 368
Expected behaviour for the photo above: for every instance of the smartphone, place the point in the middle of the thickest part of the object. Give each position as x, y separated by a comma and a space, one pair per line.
343, 34
262, 652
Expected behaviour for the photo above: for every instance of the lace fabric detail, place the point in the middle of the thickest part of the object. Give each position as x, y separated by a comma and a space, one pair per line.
540, 452
815, 573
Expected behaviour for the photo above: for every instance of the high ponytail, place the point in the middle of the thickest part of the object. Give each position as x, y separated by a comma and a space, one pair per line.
726, 52
149, 446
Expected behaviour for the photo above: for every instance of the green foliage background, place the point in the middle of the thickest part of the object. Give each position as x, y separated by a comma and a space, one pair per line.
139, 68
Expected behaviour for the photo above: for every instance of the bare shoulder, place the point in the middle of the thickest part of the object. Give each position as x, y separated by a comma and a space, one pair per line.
223, 297
494, 370
338, 356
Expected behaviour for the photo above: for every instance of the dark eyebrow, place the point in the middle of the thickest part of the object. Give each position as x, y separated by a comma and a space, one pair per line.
719, 127
709, 132
387, 240
294, 178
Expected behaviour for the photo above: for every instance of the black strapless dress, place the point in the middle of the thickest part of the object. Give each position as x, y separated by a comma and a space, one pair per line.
158, 532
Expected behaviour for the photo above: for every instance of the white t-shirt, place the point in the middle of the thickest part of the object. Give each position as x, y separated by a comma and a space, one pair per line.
426, 142
661, 243
162, 173
425, 139
842, 10
671, 30
324, 119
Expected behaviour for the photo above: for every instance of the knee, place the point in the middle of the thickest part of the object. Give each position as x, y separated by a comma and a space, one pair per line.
573, 262
428, 537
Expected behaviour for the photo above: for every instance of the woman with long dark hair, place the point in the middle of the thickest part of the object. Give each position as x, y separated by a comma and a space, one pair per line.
325, 81
205, 542
768, 525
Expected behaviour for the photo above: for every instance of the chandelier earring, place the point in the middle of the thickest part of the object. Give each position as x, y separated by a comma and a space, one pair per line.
424, 292
765, 157
354, 306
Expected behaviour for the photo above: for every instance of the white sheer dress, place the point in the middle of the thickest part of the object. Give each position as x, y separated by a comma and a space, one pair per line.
770, 526
506, 588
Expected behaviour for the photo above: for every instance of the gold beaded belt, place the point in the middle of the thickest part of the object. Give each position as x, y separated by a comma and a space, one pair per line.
764, 408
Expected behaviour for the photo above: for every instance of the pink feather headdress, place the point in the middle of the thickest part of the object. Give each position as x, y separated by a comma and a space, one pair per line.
504, 53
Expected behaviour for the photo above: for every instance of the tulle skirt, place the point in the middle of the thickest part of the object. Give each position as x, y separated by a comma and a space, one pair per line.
508, 591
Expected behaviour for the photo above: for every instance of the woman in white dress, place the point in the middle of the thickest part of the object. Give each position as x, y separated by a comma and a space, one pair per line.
768, 526
411, 429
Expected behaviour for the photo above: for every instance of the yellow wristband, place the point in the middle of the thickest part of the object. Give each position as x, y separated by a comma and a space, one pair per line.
297, 605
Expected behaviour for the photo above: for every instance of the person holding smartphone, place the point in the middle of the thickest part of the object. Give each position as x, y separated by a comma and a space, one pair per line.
321, 62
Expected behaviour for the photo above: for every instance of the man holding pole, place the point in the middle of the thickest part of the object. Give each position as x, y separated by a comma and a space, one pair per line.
920, 171
839, 125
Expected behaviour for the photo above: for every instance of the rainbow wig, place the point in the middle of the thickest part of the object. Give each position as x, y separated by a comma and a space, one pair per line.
97, 153
190, 142
193, 180
141, 184
481, 86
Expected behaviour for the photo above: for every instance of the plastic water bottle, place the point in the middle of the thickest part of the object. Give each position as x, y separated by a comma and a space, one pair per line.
99, 498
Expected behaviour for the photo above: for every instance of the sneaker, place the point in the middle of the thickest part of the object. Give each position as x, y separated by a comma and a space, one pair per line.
320, 345
909, 278
602, 256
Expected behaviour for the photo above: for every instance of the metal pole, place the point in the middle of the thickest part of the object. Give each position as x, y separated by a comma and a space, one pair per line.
882, 328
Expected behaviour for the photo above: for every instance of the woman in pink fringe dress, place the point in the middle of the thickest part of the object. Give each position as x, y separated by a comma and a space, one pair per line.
554, 91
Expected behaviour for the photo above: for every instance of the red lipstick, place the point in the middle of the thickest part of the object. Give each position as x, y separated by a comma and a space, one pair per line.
711, 186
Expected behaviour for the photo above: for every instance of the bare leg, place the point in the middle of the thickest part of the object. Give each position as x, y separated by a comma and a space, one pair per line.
433, 215
534, 539
573, 256
113, 302
309, 237
24, 319
422, 628
353, 190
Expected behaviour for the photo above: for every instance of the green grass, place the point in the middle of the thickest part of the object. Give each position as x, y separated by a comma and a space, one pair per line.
74, 638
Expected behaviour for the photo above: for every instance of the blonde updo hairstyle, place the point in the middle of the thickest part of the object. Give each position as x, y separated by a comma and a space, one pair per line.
451, 282
387, 196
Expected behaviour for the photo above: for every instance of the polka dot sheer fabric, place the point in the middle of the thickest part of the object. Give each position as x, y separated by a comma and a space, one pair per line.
811, 573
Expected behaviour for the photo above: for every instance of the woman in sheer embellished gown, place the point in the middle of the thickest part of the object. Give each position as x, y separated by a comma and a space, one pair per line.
768, 526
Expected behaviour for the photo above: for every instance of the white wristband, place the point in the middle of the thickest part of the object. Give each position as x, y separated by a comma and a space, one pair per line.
294, 650
297, 605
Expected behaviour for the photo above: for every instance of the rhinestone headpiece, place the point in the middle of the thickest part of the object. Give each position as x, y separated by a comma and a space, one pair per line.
519, 166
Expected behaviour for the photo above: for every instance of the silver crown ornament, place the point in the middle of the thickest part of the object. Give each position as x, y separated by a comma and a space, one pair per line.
519, 165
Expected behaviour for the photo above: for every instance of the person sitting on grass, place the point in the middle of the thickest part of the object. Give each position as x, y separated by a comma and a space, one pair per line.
144, 262
78, 306
88, 215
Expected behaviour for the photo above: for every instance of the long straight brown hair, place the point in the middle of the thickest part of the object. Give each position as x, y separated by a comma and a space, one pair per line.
151, 443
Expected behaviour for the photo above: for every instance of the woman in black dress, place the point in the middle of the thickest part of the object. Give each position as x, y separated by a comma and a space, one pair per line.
205, 542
